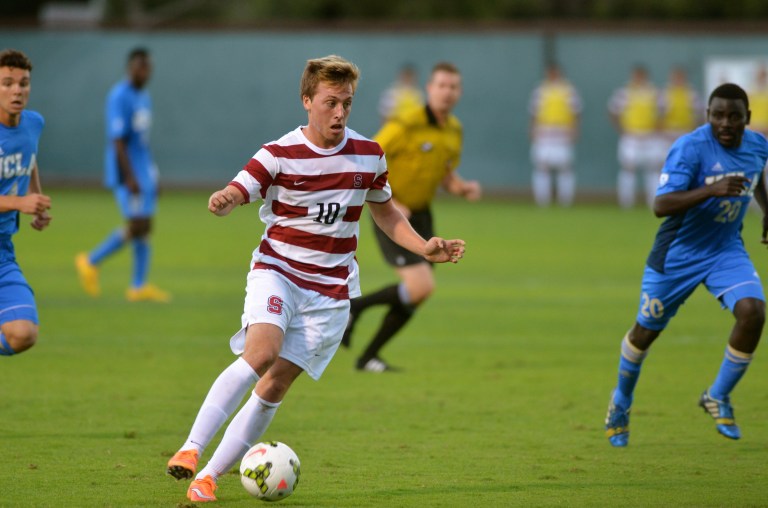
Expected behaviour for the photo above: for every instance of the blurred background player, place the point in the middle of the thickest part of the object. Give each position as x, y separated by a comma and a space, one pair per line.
680, 108
423, 149
403, 95
304, 269
555, 107
20, 191
758, 102
634, 112
707, 183
131, 173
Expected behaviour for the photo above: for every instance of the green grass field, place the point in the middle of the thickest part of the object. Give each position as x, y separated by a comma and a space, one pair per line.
508, 370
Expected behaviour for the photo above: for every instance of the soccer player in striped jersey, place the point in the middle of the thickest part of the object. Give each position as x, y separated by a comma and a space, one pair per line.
555, 108
313, 182
634, 112
705, 188
423, 150
20, 192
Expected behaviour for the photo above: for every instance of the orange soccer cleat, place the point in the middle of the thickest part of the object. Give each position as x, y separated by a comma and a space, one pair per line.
202, 491
183, 464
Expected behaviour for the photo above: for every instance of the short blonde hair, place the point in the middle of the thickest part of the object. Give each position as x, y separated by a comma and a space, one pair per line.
330, 69
444, 67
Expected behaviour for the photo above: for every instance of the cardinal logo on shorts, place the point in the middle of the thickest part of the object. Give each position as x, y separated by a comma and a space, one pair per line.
275, 305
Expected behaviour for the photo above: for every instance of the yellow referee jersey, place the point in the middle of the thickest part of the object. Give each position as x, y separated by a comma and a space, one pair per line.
419, 153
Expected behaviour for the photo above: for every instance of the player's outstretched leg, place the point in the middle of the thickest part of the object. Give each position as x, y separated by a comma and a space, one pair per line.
722, 412
224, 396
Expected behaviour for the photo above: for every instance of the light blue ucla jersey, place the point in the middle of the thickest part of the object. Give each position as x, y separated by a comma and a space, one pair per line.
18, 156
714, 226
129, 117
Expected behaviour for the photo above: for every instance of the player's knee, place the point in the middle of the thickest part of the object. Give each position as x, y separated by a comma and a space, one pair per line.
261, 360
139, 228
750, 313
21, 337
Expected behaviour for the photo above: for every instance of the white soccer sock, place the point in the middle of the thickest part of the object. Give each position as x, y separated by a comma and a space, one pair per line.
222, 399
245, 428
566, 187
651, 184
626, 188
542, 187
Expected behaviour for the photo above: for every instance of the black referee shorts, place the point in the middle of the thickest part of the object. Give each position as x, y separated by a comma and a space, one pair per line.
394, 254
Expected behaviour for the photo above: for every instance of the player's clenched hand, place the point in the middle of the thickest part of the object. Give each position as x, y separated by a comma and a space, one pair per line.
34, 204
41, 221
439, 250
730, 186
221, 202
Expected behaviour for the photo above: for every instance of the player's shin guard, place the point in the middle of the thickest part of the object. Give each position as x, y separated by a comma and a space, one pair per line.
246, 427
629, 372
5, 348
222, 400
734, 366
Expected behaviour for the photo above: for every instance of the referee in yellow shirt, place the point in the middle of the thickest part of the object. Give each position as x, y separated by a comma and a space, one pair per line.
423, 149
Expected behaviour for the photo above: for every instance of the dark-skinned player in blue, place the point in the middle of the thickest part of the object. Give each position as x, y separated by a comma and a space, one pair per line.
708, 180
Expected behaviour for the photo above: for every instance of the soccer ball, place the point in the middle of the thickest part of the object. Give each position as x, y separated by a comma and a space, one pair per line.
270, 471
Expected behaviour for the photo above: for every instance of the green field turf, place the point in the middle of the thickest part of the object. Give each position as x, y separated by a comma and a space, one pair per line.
508, 370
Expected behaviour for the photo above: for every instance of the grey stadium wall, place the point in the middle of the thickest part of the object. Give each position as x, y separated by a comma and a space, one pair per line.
219, 95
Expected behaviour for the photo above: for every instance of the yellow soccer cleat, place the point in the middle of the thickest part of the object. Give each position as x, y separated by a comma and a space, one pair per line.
88, 275
147, 293
202, 491
183, 464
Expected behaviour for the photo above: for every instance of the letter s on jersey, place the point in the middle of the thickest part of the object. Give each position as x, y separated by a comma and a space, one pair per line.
275, 305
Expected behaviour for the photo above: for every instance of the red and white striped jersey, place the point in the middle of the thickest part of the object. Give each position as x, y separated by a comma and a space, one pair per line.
313, 199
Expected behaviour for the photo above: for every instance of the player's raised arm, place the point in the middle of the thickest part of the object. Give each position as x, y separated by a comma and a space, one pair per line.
396, 226
225, 200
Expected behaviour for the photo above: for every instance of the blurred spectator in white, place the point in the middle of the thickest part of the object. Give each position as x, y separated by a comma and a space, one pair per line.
634, 112
404, 94
555, 108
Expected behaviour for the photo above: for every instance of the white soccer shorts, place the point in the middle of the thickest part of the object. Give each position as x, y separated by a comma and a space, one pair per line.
312, 323
644, 153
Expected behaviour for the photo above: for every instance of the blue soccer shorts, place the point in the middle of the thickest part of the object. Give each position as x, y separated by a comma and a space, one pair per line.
17, 301
730, 278
136, 206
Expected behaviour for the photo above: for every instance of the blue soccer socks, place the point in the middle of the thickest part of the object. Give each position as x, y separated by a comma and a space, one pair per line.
141, 256
113, 243
734, 366
629, 372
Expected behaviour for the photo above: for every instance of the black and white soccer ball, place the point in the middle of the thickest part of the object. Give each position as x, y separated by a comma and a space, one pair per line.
270, 471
